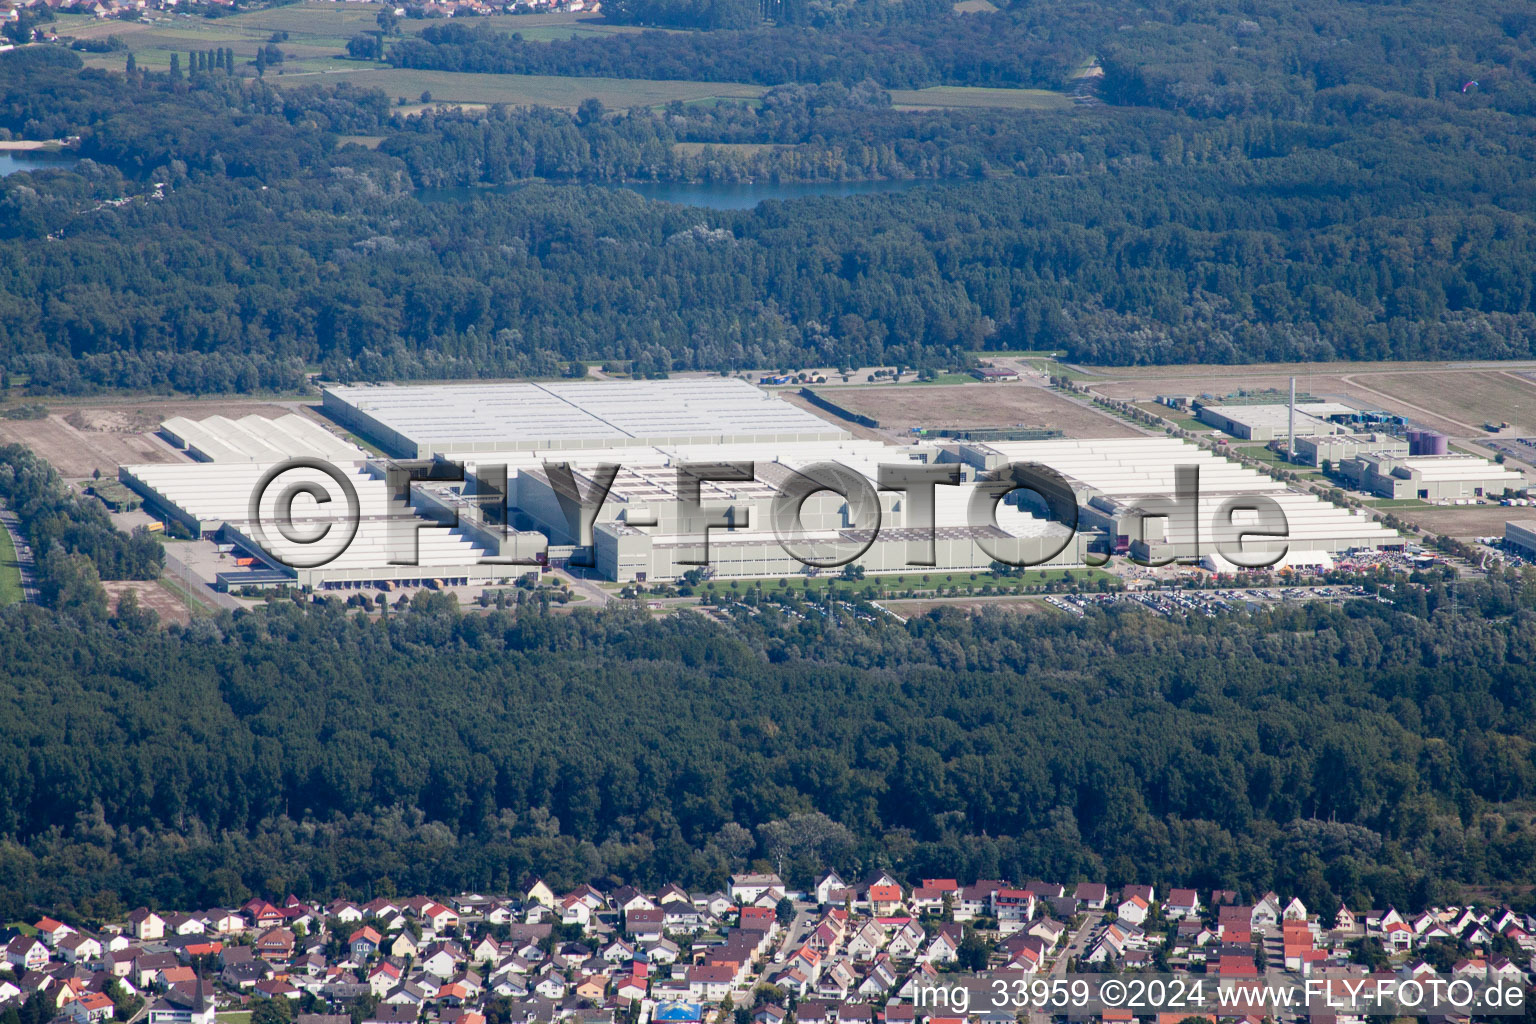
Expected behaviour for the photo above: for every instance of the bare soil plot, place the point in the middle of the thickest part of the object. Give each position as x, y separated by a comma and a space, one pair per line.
151, 595
1474, 397
78, 441
76, 453
1358, 390
1338, 368
1462, 520
979, 405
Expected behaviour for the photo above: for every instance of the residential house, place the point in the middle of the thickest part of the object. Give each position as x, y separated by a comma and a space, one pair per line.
52, 932
1133, 909
90, 1008
344, 911
275, 945
1181, 903
645, 924
441, 959
826, 885
709, 982
146, 925
183, 1004
364, 943
26, 953
185, 924
750, 888
1013, 908
906, 941
1092, 895
1048, 931
439, 918
77, 947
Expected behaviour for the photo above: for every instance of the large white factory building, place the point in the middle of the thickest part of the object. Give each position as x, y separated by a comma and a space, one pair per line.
649, 480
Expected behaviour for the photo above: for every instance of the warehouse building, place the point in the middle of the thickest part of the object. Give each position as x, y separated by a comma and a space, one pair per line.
1333, 449
1118, 481
1521, 535
256, 439
1431, 477
393, 542
422, 421
609, 476
1267, 422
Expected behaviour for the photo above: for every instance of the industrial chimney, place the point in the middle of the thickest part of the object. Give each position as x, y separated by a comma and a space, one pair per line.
1290, 445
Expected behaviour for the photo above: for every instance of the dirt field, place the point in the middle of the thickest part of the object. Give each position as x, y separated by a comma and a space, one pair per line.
1360, 390
979, 405
1455, 398
75, 453
151, 595
1473, 397
79, 440
1463, 520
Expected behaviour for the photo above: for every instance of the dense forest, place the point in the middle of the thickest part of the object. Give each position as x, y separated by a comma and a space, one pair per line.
216, 237
1198, 56
941, 50
1372, 752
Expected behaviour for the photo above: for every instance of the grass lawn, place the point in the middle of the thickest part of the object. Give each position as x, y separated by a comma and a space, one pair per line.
1396, 503
10, 571
1172, 416
870, 586
526, 90
1020, 353
1258, 451
233, 1017
1051, 368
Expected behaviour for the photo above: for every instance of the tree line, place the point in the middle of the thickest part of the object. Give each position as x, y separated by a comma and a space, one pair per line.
1375, 753
74, 542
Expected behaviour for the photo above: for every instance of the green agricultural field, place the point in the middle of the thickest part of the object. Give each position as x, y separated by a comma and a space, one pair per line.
969, 96
317, 35
316, 31
545, 90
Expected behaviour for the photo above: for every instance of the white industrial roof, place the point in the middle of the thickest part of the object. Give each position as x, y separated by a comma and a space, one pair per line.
1459, 467
222, 492
1124, 469
258, 439
1310, 416
1129, 469
472, 416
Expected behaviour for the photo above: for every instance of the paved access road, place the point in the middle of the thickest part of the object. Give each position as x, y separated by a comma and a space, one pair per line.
25, 559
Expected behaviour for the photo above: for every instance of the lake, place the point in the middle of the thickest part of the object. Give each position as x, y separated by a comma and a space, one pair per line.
13, 160
712, 195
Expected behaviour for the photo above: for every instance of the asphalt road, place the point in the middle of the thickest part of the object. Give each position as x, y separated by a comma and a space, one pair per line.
25, 559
